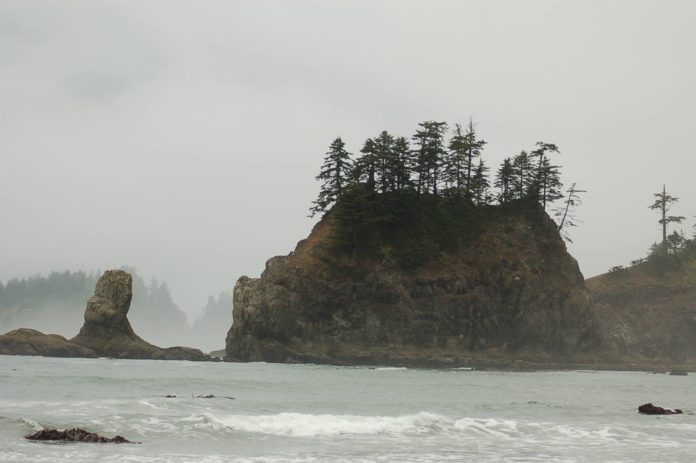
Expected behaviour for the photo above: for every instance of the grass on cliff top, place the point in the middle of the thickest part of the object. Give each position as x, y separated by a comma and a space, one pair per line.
413, 230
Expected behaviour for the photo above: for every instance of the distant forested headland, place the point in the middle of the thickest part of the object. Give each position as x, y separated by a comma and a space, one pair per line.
423, 194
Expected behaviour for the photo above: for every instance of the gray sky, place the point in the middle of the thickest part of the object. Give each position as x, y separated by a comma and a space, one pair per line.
183, 137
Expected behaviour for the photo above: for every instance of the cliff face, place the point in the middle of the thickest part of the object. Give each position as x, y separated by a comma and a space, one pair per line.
511, 288
647, 316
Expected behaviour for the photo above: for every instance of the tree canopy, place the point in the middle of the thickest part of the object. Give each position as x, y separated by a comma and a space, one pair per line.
438, 170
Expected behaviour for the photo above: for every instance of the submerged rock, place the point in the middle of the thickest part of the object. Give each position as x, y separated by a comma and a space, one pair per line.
75, 435
650, 409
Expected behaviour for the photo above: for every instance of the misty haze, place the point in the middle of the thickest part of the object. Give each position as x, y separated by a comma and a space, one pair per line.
347, 231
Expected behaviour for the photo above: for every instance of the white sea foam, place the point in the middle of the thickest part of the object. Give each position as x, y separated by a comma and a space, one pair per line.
307, 425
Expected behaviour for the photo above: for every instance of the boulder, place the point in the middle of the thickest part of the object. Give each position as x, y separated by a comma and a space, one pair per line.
650, 409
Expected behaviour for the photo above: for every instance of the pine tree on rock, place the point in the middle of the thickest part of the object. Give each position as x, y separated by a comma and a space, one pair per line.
386, 162
429, 141
334, 174
402, 168
663, 203
504, 181
522, 175
546, 186
472, 148
365, 168
479, 184
457, 162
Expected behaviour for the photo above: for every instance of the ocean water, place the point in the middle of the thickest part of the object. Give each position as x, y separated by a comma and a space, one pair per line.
310, 413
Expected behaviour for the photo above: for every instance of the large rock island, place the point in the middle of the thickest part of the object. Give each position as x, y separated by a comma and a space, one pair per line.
105, 333
506, 290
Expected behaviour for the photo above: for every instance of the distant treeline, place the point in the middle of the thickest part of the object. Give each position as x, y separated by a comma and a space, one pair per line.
38, 291
438, 176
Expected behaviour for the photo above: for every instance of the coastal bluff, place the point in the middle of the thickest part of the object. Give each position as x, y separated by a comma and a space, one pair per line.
106, 331
508, 291
647, 314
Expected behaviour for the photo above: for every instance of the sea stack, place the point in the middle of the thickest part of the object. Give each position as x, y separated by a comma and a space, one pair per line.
108, 332
106, 329
507, 290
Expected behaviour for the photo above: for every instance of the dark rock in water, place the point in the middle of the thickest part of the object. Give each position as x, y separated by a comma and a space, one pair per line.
678, 372
650, 409
25, 341
211, 396
182, 353
75, 435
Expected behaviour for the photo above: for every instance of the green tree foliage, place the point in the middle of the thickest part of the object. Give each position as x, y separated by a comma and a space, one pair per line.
479, 185
429, 141
504, 181
546, 185
396, 184
464, 149
401, 167
334, 175
523, 175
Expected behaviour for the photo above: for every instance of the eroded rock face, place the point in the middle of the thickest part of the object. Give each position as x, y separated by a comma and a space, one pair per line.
513, 289
107, 330
648, 316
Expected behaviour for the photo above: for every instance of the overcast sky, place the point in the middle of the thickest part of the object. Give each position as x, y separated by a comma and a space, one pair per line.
183, 137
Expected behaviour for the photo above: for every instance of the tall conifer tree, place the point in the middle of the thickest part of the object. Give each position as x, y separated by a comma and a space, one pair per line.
663, 203
334, 174
504, 181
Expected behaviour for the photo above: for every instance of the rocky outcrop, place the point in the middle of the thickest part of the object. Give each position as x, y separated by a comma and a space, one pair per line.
105, 333
509, 292
75, 435
647, 316
24, 341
